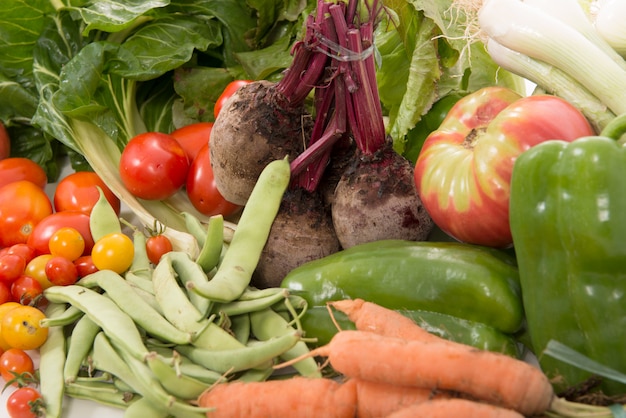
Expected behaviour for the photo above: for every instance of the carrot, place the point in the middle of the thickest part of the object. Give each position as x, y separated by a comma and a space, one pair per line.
489, 376
368, 316
295, 397
453, 408
376, 400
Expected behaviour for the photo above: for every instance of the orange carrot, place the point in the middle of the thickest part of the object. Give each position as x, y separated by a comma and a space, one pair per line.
295, 397
377, 400
368, 316
493, 377
454, 408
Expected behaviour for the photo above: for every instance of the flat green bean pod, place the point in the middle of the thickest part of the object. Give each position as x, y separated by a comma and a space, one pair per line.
174, 382
104, 393
213, 246
51, 361
79, 344
103, 219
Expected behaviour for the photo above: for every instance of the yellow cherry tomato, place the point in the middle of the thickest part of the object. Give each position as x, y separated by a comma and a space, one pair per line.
67, 242
113, 251
20, 328
36, 268
4, 308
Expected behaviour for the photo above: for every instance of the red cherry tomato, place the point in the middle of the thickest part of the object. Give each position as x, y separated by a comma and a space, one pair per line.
23, 250
42, 233
157, 246
24, 403
5, 142
85, 266
202, 190
153, 166
26, 290
78, 191
16, 363
61, 271
229, 90
193, 137
5, 295
11, 267
18, 168
22, 206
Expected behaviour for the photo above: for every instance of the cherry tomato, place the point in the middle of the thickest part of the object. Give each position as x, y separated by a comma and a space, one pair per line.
5, 142
113, 251
202, 190
4, 308
156, 246
36, 269
26, 290
22, 206
23, 250
153, 166
85, 266
25, 402
5, 295
11, 267
16, 363
40, 237
193, 137
67, 242
18, 168
20, 328
61, 271
79, 191
229, 90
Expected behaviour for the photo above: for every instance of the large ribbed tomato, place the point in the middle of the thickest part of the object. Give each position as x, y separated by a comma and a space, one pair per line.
23, 205
463, 171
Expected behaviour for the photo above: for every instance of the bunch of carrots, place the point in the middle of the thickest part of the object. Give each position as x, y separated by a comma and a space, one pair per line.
392, 368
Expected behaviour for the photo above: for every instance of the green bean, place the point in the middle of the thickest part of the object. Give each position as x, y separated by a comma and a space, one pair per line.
104, 393
266, 324
103, 219
146, 296
184, 365
239, 307
174, 382
61, 318
211, 250
256, 375
141, 266
242, 256
139, 281
80, 343
195, 228
118, 325
138, 309
187, 270
252, 293
143, 408
138, 376
238, 359
51, 360
240, 327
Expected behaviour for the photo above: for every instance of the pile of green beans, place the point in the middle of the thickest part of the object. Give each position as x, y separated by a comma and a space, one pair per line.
152, 340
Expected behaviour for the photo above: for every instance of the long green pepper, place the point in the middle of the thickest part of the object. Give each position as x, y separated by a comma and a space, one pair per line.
568, 219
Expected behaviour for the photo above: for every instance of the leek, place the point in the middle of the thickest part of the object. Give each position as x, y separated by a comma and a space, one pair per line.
609, 23
553, 81
538, 35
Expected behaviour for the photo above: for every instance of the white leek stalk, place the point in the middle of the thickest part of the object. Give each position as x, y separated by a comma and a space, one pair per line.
534, 33
571, 13
610, 23
553, 81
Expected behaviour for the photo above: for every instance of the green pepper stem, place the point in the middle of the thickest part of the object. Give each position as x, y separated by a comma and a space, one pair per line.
616, 128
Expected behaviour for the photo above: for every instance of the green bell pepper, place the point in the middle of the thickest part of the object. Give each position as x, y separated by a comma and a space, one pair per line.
568, 220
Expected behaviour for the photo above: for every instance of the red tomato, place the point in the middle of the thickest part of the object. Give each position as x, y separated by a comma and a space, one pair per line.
229, 90
157, 246
202, 190
26, 290
18, 168
22, 206
42, 233
85, 266
23, 250
5, 142
16, 363
24, 402
61, 271
11, 267
193, 137
153, 166
5, 295
78, 191
463, 171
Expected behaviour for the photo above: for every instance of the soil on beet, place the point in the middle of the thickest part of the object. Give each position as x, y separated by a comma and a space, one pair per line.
254, 128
